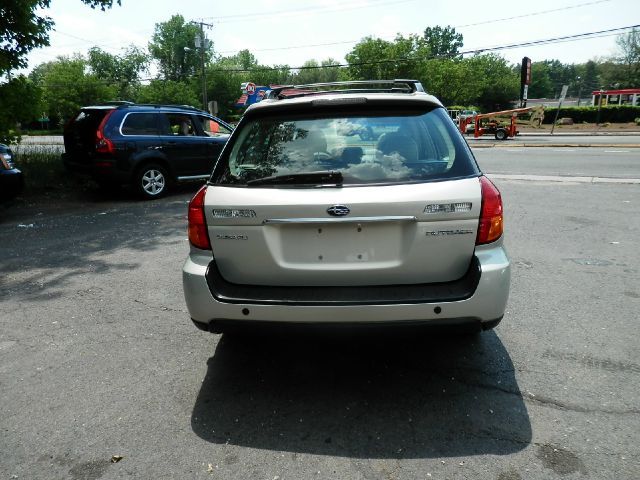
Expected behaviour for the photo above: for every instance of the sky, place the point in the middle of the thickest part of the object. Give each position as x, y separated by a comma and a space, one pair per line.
286, 32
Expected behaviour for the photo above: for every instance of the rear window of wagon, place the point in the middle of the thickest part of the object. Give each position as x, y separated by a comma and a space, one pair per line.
365, 147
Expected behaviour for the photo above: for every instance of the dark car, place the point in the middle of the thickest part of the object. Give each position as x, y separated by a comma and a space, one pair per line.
148, 147
11, 179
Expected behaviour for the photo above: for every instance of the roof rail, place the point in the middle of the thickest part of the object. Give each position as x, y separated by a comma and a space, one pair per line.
361, 86
116, 103
155, 105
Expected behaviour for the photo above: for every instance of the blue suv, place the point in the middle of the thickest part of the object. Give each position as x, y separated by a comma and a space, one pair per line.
148, 147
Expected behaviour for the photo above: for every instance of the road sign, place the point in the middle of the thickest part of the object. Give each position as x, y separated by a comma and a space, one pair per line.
250, 88
563, 93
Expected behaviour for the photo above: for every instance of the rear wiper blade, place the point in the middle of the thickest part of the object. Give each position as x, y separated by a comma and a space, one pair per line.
323, 177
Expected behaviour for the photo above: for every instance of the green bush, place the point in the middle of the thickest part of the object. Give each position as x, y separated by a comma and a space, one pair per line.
609, 113
462, 107
45, 174
637, 120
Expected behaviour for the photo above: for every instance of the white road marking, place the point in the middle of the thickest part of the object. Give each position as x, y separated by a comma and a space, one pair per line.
616, 151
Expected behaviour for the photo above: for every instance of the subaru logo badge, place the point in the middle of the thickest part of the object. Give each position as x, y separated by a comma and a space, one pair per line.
338, 211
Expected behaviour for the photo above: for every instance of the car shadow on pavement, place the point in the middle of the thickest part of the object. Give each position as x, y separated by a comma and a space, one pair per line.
49, 249
393, 397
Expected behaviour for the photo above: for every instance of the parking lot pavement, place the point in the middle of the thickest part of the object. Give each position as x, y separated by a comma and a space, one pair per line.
98, 358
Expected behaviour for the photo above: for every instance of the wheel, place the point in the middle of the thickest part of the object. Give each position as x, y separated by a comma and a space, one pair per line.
501, 134
151, 181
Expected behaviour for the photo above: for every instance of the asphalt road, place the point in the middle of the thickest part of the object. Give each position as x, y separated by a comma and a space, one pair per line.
558, 139
618, 163
98, 358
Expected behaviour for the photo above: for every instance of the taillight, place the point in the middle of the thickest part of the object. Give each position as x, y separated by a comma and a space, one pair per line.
198, 234
490, 227
103, 144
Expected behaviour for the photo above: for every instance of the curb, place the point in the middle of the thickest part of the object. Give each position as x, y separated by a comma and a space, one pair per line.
565, 179
556, 145
580, 134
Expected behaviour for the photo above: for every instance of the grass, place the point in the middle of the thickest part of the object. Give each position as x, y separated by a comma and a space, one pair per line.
44, 173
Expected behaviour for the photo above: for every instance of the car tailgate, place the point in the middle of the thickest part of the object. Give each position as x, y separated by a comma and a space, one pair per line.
395, 234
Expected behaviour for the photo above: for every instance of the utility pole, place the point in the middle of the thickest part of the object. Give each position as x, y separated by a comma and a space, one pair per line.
599, 106
202, 43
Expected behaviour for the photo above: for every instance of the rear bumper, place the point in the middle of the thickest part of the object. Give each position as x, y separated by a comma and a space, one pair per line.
482, 305
102, 170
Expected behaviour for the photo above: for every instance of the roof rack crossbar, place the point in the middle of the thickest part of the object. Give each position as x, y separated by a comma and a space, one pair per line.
398, 85
116, 102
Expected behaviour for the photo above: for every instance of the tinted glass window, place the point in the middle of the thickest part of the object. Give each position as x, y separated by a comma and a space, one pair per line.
179, 124
211, 128
140, 124
87, 121
384, 148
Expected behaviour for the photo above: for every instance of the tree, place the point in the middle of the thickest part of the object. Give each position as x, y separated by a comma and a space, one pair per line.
629, 57
560, 74
173, 46
485, 80
169, 92
243, 60
541, 85
365, 60
498, 85
443, 42
68, 85
452, 81
314, 72
19, 103
374, 58
225, 76
22, 29
590, 78
122, 71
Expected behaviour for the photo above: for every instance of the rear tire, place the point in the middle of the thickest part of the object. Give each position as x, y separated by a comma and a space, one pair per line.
501, 134
151, 181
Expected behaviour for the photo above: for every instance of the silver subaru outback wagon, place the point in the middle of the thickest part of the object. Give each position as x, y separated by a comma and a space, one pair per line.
350, 203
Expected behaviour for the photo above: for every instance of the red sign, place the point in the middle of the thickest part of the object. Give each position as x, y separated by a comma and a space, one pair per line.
250, 88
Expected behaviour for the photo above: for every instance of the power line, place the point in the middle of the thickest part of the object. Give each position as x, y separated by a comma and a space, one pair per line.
299, 11
532, 14
562, 39
546, 41
316, 9
552, 40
